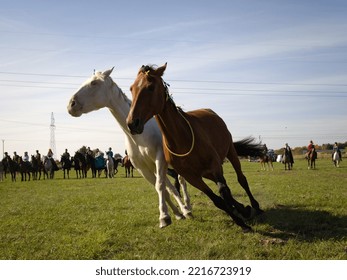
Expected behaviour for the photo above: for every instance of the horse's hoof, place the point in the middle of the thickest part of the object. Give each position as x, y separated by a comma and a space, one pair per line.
247, 229
165, 222
237, 214
253, 213
189, 215
180, 216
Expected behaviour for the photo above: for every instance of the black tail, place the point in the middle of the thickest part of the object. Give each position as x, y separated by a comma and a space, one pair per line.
248, 147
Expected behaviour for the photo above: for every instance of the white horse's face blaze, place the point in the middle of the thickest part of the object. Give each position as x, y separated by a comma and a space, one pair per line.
91, 96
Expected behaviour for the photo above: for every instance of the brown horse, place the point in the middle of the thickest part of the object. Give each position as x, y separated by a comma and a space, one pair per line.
12, 166
266, 160
311, 158
129, 168
25, 169
195, 143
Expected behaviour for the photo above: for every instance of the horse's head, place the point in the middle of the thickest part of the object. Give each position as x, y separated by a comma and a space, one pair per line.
149, 94
92, 95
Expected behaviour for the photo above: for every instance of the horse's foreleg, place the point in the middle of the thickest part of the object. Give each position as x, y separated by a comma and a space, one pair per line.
185, 210
186, 197
160, 186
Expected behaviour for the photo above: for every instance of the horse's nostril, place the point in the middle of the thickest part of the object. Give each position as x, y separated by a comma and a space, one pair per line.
73, 103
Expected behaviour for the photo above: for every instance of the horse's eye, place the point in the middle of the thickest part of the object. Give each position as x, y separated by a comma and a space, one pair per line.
94, 83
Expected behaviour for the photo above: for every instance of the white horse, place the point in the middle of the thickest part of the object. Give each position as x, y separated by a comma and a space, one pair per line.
109, 167
336, 159
145, 150
48, 168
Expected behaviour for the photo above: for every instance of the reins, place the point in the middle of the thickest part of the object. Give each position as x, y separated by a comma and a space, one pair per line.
168, 98
193, 139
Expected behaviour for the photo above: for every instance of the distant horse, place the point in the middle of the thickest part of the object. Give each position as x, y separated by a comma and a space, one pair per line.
66, 165
48, 167
311, 158
145, 151
287, 159
117, 161
195, 143
25, 169
129, 168
265, 159
37, 167
5, 167
80, 165
12, 167
336, 158
109, 167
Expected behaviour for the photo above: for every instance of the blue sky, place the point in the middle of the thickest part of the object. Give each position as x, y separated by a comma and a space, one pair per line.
276, 70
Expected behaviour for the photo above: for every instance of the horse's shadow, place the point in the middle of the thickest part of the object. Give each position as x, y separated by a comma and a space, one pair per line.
288, 222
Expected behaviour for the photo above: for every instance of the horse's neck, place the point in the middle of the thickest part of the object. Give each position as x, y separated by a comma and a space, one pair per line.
174, 128
119, 106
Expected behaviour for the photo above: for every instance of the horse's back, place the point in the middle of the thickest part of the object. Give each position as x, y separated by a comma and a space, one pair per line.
210, 128
207, 122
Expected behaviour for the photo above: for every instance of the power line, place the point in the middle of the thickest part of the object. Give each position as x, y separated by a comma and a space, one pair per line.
184, 80
231, 92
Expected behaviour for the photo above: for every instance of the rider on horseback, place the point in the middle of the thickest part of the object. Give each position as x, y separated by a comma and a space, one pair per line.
26, 157
336, 149
110, 154
16, 157
38, 156
265, 150
66, 154
50, 157
310, 147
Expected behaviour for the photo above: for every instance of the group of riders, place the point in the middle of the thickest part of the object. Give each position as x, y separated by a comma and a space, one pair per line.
26, 159
310, 154
312, 149
26, 162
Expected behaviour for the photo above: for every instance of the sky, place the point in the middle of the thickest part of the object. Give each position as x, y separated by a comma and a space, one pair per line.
275, 70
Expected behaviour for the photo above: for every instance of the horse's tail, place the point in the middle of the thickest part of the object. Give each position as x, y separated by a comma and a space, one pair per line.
249, 147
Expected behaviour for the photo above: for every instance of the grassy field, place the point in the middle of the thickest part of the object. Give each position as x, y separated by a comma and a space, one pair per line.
305, 218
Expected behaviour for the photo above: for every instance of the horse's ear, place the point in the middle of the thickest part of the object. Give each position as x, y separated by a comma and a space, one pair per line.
161, 69
107, 73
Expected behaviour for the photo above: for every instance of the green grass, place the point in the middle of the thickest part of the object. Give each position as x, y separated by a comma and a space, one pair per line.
305, 218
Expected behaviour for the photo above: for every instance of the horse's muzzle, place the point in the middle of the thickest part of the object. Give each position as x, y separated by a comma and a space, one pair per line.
74, 108
135, 126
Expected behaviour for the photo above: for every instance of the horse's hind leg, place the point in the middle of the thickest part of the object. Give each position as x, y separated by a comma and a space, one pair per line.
218, 201
232, 156
225, 193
